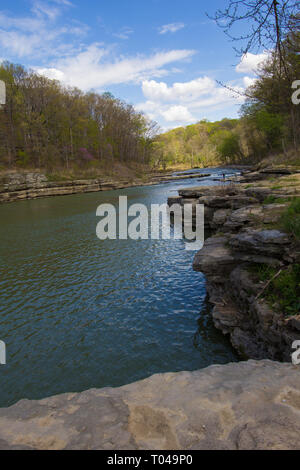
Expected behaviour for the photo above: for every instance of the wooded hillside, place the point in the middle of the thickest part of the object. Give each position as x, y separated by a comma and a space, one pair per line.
269, 122
46, 125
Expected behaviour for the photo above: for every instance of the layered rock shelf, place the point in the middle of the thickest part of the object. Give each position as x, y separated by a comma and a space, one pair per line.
21, 186
242, 233
246, 405
17, 186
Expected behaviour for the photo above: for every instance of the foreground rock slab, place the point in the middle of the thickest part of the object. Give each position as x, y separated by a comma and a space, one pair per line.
246, 405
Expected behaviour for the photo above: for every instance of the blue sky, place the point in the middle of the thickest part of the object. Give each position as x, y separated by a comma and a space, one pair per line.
162, 56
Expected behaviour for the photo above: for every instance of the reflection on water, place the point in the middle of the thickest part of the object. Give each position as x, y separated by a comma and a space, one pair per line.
77, 312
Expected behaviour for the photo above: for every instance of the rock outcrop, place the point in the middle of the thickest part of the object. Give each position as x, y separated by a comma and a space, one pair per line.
243, 235
246, 405
17, 186
20, 186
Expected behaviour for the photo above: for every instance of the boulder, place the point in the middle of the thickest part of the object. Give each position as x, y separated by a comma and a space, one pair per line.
194, 192
225, 317
258, 193
215, 259
266, 242
174, 200
227, 201
242, 217
219, 218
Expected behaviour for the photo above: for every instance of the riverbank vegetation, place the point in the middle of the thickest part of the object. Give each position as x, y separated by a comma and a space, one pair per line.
48, 126
269, 123
267, 129
290, 219
45, 125
282, 288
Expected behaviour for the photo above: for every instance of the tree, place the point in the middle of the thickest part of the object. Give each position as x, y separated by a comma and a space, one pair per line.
46, 125
266, 23
269, 101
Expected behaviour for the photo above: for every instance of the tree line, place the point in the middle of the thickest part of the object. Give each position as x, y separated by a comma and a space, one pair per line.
47, 125
269, 122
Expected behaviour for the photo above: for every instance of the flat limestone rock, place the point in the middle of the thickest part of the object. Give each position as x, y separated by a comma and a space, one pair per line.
245, 405
194, 192
227, 202
266, 242
215, 259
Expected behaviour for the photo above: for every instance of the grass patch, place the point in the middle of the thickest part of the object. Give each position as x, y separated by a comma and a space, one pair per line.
270, 199
290, 219
284, 290
277, 200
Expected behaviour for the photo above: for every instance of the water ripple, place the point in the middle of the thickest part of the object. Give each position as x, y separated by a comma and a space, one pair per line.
77, 312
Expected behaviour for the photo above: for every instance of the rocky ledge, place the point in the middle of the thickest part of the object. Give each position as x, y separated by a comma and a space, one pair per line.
241, 221
17, 186
31, 185
246, 405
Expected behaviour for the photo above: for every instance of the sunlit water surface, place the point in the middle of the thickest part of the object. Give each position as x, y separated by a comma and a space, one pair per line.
77, 312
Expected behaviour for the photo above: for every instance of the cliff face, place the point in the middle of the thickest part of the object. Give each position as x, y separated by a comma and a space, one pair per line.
242, 225
246, 405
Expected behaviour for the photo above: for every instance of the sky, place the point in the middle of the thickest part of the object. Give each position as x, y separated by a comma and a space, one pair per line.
165, 57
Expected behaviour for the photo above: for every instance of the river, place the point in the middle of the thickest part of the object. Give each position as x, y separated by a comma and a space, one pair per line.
77, 312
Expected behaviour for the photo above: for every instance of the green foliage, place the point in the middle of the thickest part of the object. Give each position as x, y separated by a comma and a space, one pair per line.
229, 148
283, 290
270, 116
46, 125
270, 199
200, 145
23, 158
269, 122
271, 125
290, 219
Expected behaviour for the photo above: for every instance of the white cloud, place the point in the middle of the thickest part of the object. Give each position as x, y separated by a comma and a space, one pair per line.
186, 102
185, 91
250, 62
37, 34
171, 28
53, 74
91, 69
248, 81
177, 113
62, 55
124, 33
63, 2
41, 9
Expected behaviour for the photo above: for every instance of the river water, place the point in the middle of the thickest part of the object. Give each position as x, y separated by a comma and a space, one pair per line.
77, 312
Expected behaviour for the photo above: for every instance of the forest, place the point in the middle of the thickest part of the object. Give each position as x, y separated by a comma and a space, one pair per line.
46, 125
269, 122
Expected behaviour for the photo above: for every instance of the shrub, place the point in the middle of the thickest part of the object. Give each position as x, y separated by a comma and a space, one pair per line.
290, 219
283, 290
